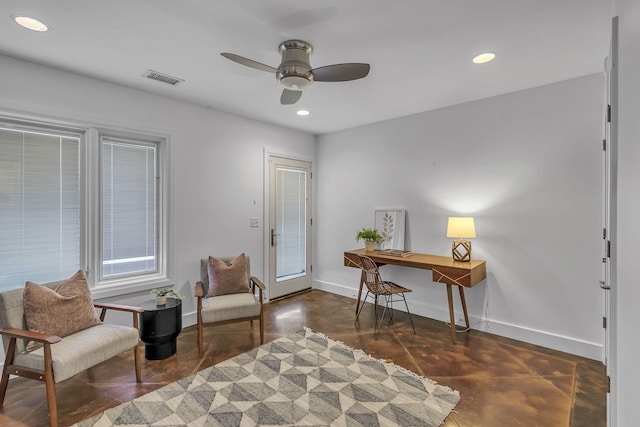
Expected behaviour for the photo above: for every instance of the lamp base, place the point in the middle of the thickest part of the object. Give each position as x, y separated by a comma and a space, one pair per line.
461, 250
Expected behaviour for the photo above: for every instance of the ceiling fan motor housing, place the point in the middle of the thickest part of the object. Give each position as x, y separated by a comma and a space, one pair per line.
294, 72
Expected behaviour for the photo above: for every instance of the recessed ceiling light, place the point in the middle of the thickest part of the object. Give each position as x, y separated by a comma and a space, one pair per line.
302, 113
31, 23
484, 57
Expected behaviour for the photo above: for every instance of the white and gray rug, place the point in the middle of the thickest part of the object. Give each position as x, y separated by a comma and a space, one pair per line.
303, 379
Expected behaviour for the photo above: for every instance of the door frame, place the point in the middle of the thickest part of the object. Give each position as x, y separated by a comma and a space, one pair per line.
610, 201
266, 236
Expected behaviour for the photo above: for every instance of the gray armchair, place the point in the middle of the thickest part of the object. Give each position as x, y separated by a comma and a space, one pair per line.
231, 308
60, 358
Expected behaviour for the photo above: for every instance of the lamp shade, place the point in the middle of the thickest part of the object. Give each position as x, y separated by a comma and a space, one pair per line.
461, 227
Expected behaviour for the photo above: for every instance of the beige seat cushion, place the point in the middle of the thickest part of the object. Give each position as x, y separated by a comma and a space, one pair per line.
229, 307
82, 350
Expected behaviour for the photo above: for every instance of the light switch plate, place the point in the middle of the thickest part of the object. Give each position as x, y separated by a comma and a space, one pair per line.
255, 222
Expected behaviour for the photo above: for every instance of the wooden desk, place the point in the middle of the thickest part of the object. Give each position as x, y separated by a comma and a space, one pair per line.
445, 270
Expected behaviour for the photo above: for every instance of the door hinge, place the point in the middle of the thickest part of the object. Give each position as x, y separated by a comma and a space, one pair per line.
604, 145
604, 322
608, 248
311, 221
604, 233
311, 268
608, 384
609, 113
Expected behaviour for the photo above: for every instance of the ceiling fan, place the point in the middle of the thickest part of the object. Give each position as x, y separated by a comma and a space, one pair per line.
295, 72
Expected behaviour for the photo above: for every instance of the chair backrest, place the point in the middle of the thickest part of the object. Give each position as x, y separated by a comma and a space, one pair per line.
372, 277
12, 315
204, 270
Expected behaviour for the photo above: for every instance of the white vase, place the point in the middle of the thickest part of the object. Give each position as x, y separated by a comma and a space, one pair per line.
162, 300
368, 245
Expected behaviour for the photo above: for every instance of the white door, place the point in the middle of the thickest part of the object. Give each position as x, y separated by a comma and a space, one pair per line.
289, 226
610, 160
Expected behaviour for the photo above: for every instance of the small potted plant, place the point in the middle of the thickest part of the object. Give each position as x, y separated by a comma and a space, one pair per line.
162, 294
370, 236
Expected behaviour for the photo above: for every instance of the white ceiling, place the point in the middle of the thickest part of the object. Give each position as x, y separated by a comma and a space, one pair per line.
420, 50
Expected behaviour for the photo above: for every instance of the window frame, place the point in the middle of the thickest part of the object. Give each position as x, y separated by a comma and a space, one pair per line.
90, 172
105, 287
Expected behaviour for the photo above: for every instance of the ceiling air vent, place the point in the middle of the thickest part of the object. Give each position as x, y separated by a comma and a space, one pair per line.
154, 75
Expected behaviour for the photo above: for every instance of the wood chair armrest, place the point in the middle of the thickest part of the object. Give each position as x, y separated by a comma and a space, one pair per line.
118, 307
104, 306
258, 283
30, 335
198, 289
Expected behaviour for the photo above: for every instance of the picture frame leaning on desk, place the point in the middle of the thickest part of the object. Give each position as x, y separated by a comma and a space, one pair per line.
391, 225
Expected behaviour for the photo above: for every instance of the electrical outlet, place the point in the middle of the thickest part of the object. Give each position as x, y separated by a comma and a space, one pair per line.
255, 222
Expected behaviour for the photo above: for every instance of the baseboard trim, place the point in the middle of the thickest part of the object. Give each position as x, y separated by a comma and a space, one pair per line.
546, 339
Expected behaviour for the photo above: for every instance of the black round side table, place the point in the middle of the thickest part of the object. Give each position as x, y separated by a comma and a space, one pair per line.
160, 325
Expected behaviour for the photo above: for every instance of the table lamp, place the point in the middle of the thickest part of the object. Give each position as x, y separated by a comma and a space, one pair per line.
461, 228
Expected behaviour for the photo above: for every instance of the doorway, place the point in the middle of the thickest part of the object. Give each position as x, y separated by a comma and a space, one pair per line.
289, 226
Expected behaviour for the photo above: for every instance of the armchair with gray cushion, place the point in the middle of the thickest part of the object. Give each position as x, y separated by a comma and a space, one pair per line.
233, 306
55, 359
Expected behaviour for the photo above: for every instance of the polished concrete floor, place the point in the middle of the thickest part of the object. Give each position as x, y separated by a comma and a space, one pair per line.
501, 382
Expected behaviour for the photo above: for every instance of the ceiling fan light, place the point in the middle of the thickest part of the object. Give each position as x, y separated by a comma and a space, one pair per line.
31, 23
484, 57
295, 82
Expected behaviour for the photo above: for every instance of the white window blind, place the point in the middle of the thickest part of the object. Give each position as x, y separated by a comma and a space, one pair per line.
39, 207
129, 208
291, 223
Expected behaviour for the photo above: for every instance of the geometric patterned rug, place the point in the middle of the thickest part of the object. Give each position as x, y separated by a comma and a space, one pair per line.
302, 379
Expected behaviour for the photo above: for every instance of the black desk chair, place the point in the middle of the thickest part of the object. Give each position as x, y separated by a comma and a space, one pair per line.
377, 287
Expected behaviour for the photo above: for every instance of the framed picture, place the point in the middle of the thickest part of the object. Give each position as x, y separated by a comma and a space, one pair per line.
390, 224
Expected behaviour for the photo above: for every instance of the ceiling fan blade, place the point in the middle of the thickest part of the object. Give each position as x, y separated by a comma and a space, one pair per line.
249, 62
340, 72
289, 97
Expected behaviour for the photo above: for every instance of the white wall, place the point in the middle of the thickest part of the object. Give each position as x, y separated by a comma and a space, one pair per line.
216, 163
626, 375
526, 165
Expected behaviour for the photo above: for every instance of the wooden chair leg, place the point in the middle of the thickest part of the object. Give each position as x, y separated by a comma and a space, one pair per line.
136, 350
50, 386
261, 327
8, 360
136, 360
199, 324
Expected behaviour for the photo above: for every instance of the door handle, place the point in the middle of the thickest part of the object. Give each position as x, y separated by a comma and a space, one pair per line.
604, 286
273, 237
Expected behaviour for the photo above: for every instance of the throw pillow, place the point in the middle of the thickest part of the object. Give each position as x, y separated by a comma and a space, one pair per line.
227, 278
60, 311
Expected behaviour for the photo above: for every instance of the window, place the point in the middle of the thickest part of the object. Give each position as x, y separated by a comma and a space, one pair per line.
39, 207
89, 199
128, 208
291, 219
